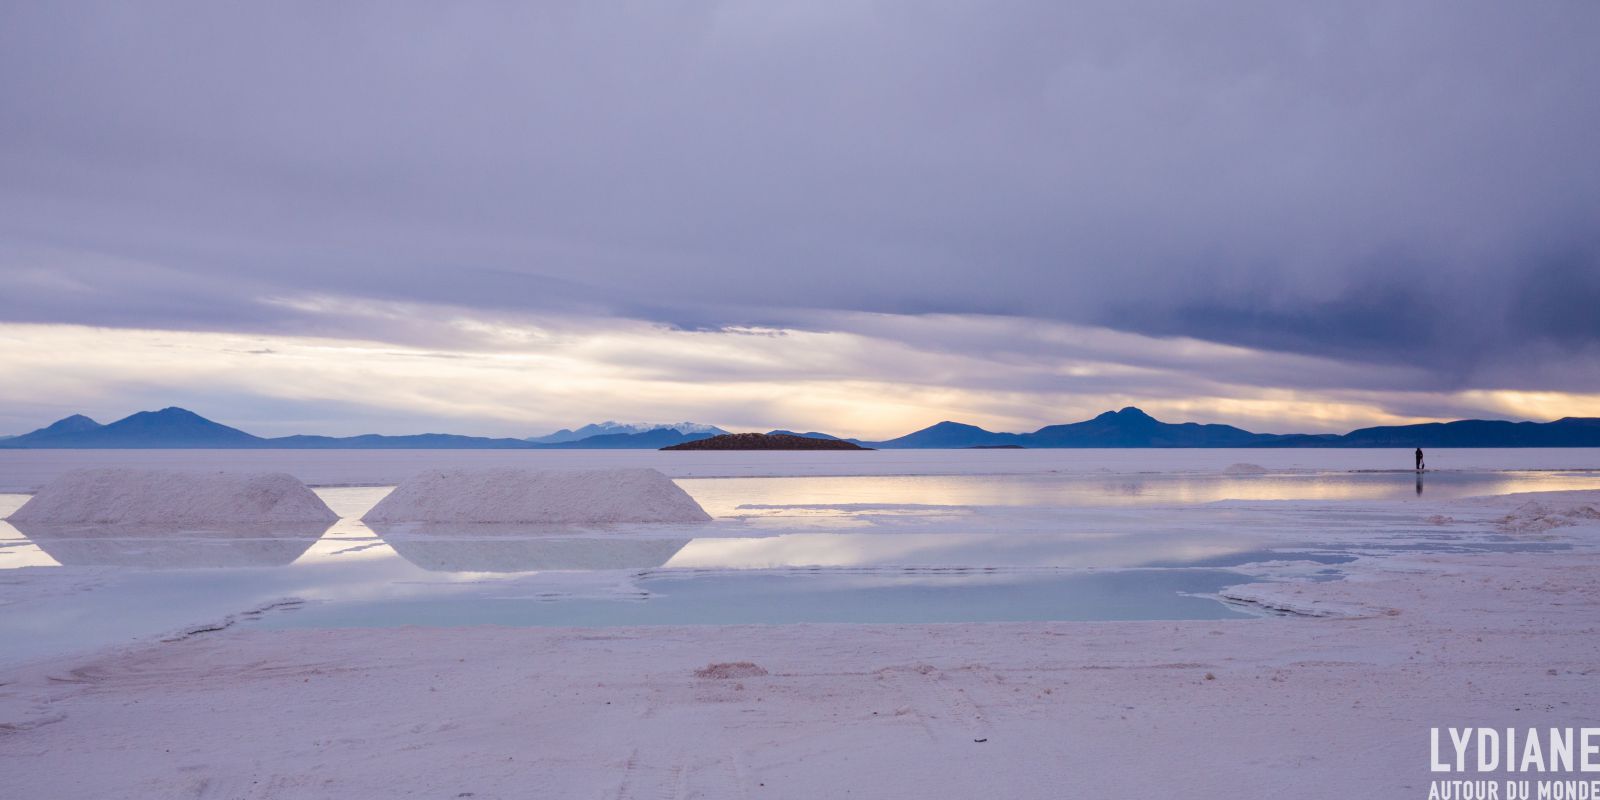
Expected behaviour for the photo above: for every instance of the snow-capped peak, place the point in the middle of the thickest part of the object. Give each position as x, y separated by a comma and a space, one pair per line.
610, 427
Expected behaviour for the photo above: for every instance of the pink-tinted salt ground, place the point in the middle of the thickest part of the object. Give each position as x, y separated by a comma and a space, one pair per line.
1283, 707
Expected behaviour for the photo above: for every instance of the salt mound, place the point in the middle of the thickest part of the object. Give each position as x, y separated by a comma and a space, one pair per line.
1535, 516
731, 669
1245, 469
588, 497
170, 498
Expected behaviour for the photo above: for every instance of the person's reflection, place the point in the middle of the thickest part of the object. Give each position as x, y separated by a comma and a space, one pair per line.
1419, 483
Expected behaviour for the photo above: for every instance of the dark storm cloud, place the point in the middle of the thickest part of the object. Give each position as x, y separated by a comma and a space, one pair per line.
1408, 184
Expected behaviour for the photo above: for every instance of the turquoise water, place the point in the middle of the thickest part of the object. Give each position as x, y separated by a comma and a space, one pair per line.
821, 597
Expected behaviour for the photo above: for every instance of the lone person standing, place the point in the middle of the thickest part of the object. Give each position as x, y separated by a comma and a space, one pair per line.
1419, 459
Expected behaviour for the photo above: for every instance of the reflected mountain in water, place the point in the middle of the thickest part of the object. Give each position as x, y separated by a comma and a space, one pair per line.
455, 549
273, 545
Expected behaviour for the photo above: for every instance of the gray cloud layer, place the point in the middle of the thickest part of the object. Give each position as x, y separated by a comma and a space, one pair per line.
1411, 185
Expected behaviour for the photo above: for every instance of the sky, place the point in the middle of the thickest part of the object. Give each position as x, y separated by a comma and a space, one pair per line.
857, 217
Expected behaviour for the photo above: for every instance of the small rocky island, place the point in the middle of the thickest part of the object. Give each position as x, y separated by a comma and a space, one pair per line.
766, 441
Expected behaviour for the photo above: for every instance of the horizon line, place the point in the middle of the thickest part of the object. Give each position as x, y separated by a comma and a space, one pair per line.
670, 425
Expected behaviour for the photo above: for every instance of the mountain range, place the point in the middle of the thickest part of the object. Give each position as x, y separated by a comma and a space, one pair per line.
181, 428
1129, 427
609, 428
1132, 427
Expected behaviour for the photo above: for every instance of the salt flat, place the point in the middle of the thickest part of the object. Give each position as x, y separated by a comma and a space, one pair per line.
1323, 708
1365, 614
26, 470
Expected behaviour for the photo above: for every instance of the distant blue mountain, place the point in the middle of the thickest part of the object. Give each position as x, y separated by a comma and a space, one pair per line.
1130, 427
173, 428
167, 428
607, 428
812, 434
374, 441
949, 435
648, 440
179, 428
1565, 432
61, 430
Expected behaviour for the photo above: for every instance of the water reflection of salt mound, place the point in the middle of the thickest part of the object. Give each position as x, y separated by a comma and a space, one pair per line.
269, 545
535, 554
173, 498
508, 495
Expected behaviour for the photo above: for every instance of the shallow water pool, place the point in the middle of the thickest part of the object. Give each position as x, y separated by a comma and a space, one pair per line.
824, 596
870, 549
823, 495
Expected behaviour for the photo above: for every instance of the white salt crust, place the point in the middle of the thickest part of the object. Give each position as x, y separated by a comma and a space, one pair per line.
125, 496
